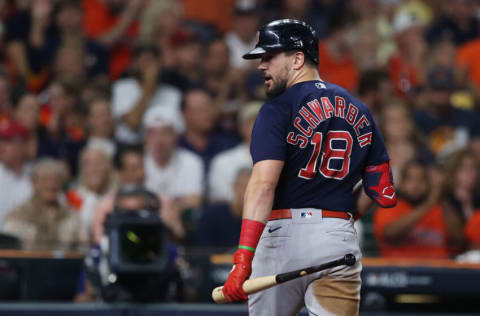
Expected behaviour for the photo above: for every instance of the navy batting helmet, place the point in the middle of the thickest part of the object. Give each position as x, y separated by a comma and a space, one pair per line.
285, 35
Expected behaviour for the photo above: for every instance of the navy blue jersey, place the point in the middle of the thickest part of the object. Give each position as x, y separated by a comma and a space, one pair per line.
326, 138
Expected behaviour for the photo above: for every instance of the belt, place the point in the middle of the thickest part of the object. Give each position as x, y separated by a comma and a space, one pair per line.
286, 213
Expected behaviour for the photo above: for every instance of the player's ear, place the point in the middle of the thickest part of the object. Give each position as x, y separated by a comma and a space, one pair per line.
298, 60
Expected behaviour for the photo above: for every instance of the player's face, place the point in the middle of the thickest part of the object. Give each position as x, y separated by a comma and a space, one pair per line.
275, 72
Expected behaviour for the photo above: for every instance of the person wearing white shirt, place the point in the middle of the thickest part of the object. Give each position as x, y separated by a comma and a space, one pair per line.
95, 181
244, 27
226, 165
15, 181
134, 95
171, 172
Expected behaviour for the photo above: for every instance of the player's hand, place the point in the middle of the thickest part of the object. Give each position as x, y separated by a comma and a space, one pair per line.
242, 268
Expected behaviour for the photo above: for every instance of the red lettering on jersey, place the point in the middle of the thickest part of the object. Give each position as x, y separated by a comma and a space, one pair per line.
352, 114
314, 105
365, 139
295, 139
361, 124
327, 107
339, 107
309, 117
307, 132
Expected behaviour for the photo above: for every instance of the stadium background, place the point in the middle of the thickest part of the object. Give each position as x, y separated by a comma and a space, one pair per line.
105, 103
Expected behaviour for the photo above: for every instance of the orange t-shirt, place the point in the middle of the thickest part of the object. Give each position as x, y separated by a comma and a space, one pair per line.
403, 77
428, 239
468, 57
342, 72
98, 20
472, 231
215, 12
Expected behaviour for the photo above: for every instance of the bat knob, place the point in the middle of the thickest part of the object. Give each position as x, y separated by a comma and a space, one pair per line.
350, 259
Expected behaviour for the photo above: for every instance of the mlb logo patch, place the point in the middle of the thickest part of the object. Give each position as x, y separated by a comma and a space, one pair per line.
306, 214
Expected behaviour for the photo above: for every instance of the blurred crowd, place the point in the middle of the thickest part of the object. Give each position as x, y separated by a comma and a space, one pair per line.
97, 95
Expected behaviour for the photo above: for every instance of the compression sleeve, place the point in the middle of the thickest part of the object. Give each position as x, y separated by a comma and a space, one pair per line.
378, 184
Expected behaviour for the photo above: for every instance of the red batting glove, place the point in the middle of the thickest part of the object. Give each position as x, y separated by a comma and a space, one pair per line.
242, 260
242, 268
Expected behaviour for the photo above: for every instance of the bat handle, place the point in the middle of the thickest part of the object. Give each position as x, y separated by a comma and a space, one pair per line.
217, 295
249, 286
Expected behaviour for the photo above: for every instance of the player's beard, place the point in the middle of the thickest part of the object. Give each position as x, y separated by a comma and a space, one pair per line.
278, 86
277, 89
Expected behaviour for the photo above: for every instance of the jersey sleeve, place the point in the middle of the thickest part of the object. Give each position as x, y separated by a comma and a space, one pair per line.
377, 175
269, 133
377, 153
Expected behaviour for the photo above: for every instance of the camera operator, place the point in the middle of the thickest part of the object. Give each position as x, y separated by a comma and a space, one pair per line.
129, 165
136, 260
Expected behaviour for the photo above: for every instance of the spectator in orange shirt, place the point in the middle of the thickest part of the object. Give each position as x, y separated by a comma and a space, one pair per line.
468, 61
114, 25
406, 66
418, 226
336, 64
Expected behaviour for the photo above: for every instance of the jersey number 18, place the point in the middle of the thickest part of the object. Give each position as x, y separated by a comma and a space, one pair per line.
329, 153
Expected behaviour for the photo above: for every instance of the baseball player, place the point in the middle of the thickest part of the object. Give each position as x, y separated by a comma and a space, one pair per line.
311, 143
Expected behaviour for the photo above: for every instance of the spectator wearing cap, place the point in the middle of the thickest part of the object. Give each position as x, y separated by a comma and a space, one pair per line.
139, 91
407, 64
448, 128
15, 182
172, 172
199, 112
43, 222
242, 36
227, 164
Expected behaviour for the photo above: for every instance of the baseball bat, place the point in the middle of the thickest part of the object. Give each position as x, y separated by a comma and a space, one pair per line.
258, 284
